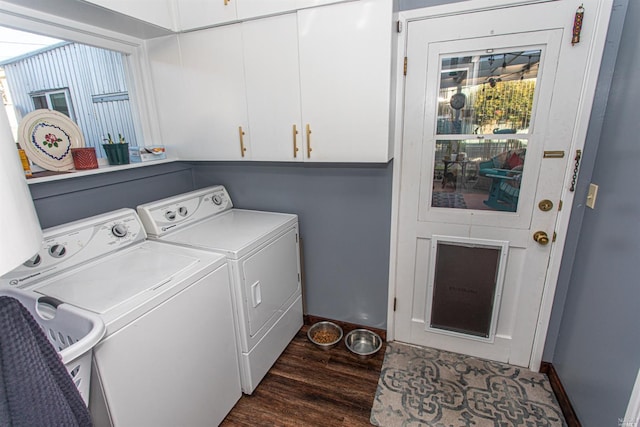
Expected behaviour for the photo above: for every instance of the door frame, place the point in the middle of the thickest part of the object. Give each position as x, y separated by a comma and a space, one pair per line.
601, 10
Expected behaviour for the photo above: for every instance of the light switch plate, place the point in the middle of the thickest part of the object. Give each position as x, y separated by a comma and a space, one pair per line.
592, 195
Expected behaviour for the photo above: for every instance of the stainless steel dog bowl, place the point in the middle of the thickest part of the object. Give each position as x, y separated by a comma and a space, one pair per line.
363, 342
319, 333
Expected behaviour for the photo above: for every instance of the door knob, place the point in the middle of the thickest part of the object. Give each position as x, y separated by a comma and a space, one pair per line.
541, 237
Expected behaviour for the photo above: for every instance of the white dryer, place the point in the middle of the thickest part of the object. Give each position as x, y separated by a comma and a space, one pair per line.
168, 357
262, 249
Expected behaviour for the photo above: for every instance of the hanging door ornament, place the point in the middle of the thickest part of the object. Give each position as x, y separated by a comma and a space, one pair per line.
577, 25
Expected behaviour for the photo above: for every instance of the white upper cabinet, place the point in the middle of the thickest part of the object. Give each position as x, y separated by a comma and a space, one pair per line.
185, 15
301, 4
311, 86
157, 12
194, 14
213, 72
204, 13
270, 49
345, 80
255, 8
203, 122
165, 67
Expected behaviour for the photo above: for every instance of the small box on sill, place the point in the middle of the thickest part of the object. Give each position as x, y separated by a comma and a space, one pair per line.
147, 154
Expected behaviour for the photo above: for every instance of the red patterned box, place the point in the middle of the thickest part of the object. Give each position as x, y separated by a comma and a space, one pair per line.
84, 158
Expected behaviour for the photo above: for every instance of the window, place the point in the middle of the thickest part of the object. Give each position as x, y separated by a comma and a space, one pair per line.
90, 85
485, 111
58, 100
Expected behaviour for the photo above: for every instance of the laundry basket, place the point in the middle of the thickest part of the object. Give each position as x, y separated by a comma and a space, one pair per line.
72, 331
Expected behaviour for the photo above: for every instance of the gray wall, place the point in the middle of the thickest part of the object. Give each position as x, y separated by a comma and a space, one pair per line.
345, 216
344, 213
58, 202
598, 344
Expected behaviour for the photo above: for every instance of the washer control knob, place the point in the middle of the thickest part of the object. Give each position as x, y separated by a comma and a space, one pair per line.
57, 250
183, 211
217, 200
170, 215
33, 261
119, 230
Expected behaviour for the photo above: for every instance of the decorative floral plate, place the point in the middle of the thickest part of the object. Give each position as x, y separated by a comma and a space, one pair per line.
48, 137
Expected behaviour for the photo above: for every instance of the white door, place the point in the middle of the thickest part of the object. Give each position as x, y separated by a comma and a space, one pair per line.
270, 49
214, 113
203, 13
489, 139
345, 78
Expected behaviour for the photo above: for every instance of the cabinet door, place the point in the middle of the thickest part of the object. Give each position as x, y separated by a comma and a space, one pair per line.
204, 13
273, 88
301, 4
165, 68
215, 103
345, 80
158, 12
254, 8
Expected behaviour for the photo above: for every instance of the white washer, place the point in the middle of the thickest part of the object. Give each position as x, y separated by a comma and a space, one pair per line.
262, 249
168, 356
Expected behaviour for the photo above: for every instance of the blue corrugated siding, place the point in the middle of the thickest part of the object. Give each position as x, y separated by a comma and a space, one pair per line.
86, 71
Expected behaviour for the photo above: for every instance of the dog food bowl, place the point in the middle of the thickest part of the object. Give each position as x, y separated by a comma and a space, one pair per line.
325, 335
363, 342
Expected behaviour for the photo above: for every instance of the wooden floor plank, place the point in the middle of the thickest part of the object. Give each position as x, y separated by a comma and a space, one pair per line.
311, 387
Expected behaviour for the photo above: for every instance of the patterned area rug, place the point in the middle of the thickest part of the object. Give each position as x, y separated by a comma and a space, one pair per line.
441, 199
428, 387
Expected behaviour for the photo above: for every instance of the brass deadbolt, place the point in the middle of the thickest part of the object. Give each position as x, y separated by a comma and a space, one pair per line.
541, 237
545, 205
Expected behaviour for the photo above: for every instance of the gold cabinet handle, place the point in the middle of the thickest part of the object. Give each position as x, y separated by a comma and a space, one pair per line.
309, 150
243, 149
295, 142
226, 2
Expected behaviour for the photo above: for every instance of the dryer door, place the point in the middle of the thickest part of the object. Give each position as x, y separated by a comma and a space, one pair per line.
271, 281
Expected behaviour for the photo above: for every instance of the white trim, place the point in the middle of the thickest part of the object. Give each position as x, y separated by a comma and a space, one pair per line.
103, 167
632, 416
599, 32
464, 7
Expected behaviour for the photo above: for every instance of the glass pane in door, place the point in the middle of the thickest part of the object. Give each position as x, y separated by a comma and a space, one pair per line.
482, 174
489, 93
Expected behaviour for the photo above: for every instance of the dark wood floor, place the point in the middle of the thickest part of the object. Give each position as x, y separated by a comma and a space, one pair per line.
311, 387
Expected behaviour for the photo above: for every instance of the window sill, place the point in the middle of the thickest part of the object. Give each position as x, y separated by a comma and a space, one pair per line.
102, 168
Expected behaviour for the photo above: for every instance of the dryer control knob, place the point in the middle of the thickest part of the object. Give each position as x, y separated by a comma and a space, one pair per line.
217, 200
57, 250
119, 230
183, 211
33, 261
170, 215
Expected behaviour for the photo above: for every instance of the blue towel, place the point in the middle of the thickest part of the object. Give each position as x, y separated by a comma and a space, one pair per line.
35, 388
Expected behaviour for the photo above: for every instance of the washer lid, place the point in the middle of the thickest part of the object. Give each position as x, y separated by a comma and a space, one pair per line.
103, 285
235, 232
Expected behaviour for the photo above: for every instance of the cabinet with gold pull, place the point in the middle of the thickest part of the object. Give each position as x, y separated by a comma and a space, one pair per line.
283, 88
345, 81
201, 117
309, 98
204, 13
273, 88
